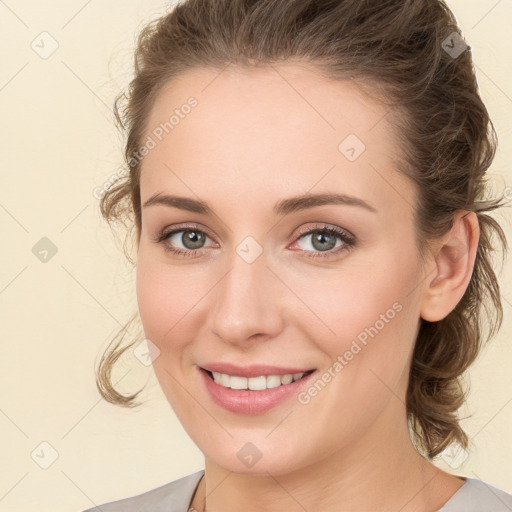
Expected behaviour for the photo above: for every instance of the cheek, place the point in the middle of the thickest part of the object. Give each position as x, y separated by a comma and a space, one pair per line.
367, 321
357, 303
366, 369
166, 296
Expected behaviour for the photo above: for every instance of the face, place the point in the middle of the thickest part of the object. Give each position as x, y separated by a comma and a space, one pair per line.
258, 279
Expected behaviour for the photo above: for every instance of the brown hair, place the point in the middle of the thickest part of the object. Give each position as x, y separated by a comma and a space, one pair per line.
410, 54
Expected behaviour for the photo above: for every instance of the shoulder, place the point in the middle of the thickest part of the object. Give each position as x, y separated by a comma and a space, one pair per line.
174, 496
478, 496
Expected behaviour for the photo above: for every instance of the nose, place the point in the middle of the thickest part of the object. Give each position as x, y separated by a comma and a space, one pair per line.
247, 302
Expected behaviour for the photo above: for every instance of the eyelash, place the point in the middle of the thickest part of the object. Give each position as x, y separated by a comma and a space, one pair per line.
347, 239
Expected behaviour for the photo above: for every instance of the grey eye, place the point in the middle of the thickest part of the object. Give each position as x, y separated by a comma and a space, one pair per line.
321, 240
190, 238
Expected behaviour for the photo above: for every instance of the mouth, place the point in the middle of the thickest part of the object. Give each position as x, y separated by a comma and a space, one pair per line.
258, 383
254, 389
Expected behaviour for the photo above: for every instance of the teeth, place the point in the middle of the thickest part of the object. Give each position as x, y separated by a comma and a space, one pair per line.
286, 379
273, 381
224, 379
255, 383
238, 383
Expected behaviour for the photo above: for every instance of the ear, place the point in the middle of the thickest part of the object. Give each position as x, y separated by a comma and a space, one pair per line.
454, 262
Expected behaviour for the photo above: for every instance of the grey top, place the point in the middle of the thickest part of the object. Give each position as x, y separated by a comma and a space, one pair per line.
474, 496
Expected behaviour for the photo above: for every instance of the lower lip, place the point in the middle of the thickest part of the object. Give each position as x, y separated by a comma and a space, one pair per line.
245, 401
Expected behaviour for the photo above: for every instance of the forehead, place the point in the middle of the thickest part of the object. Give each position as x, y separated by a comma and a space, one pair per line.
270, 132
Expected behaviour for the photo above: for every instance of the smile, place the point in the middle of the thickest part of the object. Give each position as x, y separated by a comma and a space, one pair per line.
256, 383
255, 394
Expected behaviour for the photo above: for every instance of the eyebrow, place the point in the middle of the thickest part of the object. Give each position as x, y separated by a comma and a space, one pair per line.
283, 207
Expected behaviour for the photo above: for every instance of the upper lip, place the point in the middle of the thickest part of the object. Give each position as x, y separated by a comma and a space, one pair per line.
253, 370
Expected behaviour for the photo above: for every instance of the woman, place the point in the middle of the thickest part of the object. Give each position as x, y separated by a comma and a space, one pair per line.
307, 188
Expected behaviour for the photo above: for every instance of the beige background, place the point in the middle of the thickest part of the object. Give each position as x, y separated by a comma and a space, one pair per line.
59, 142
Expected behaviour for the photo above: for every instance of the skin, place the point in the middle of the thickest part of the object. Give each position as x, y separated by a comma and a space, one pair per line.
258, 136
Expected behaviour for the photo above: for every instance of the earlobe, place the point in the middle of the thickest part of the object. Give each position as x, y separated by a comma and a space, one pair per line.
454, 263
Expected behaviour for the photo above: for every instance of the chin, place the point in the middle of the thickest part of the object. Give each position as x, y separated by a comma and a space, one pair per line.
249, 460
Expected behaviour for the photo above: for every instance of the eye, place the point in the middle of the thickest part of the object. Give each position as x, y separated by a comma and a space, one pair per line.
323, 239
189, 237
323, 243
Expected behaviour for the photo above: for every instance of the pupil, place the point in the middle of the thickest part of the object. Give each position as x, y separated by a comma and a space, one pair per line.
193, 240
320, 239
